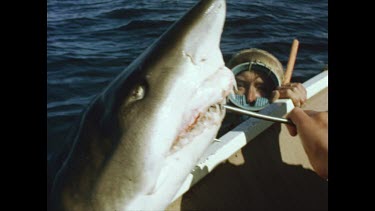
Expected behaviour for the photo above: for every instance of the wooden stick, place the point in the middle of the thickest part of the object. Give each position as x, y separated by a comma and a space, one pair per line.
292, 60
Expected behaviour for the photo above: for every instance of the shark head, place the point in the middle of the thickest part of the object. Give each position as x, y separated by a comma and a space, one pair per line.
141, 137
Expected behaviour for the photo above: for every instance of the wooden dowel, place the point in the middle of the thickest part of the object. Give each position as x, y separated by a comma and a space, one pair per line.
292, 60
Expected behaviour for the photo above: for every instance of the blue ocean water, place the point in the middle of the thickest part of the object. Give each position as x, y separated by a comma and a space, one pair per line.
90, 42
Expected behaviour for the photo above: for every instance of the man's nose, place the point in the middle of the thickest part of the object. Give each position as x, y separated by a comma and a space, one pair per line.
252, 94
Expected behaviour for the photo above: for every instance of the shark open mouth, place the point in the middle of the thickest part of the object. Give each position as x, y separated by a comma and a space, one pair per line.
213, 115
203, 117
206, 109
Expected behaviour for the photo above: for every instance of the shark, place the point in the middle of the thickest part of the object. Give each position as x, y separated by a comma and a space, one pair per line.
139, 139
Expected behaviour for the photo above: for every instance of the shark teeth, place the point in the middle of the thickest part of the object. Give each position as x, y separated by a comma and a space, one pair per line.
211, 117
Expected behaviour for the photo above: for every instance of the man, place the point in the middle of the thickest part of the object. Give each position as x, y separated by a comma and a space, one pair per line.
259, 76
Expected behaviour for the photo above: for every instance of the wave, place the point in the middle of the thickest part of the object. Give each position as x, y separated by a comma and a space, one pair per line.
125, 13
145, 24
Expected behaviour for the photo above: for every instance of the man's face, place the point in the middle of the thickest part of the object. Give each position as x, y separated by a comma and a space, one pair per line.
253, 84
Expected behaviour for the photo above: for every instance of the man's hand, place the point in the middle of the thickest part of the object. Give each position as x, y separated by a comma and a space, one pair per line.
312, 127
295, 91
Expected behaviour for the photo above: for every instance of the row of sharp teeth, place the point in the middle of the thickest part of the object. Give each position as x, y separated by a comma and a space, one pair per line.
209, 118
215, 108
234, 90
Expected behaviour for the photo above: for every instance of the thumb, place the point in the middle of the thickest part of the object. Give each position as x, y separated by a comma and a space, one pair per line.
292, 129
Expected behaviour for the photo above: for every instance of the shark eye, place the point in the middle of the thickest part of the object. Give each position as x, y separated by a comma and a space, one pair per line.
136, 94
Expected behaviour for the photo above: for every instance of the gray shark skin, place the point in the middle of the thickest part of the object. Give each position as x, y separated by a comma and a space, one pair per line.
139, 139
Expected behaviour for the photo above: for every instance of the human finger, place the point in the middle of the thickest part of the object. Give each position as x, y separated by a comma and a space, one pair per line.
302, 93
274, 96
292, 94
292, 129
